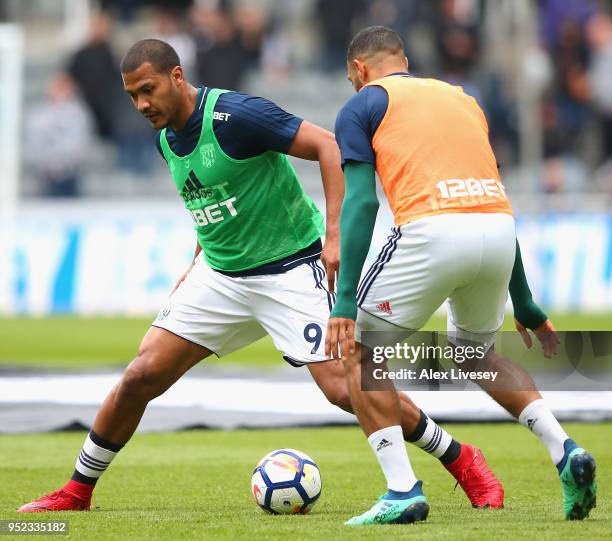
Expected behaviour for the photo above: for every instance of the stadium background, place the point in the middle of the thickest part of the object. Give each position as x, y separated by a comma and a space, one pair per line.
93, 236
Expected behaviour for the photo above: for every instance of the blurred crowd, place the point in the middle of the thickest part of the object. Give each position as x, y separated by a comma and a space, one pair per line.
577, 101
86, 102
447, 39
220, 43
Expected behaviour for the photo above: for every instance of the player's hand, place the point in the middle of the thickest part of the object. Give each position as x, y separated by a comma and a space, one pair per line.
330, 257
182, 278
340, 332
546, 334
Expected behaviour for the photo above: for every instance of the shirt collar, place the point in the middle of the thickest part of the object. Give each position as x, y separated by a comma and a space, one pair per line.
193, 117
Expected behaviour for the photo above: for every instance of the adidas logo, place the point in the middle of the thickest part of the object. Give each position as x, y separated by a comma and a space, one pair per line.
193, 189
385, 307
382, 444
531, 422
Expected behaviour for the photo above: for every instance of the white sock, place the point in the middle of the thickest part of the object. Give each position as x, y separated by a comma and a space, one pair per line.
540, 420
93, 459
390, 450
435, 440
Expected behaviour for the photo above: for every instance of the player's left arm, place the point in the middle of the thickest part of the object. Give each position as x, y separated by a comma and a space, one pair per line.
527, 314
263, 126
317, 144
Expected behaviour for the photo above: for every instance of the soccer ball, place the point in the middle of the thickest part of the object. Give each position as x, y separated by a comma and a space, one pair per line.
286, 481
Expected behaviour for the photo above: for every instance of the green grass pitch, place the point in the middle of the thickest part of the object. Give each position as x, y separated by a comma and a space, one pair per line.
196, 485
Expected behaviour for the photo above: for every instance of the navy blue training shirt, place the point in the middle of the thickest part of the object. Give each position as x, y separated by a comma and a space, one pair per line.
358, 121
245, 127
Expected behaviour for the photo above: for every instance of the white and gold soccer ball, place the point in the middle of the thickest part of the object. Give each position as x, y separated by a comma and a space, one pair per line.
286, 481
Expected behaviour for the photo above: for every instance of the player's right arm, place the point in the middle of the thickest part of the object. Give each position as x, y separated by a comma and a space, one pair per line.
357, 221
198, 248
182, 278
354, 127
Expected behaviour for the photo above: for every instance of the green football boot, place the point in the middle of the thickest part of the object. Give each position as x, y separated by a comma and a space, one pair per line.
577, 474
395, 508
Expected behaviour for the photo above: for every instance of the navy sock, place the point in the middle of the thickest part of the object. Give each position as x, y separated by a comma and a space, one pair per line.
94, 466
416, 490
435, 440
568, 446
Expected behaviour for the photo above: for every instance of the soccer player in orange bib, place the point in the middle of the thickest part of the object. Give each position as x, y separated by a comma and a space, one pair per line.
454, 238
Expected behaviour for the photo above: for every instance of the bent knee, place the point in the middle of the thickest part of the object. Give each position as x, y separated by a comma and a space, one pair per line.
338, 395
142, 379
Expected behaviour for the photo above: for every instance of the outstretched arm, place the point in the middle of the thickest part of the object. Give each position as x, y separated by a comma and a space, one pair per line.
314, 143
356, 124
527, 314
198, 250
356, 225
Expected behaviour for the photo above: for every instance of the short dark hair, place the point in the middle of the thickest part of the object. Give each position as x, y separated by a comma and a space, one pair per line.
372, 40
154, 51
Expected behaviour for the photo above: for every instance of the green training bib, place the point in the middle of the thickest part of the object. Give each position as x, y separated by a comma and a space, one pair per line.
247, 212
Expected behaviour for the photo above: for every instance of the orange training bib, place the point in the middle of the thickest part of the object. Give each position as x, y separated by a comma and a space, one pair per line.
433, 154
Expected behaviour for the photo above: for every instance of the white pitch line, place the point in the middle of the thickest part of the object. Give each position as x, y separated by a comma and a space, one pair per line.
257, 396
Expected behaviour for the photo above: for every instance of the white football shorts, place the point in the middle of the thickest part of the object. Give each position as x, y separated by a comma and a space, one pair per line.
224, 314
466, 258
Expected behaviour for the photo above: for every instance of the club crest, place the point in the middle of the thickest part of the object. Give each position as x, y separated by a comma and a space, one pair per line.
207, 155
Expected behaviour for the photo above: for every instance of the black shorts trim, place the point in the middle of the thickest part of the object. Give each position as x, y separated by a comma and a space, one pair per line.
294, 362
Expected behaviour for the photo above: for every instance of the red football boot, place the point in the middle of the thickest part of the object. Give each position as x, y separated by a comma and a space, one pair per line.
476, 479
73, 496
